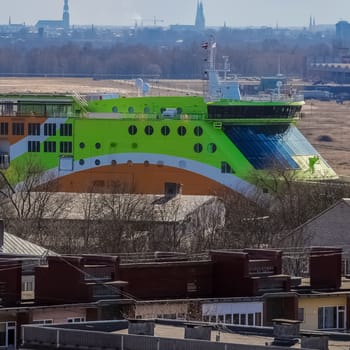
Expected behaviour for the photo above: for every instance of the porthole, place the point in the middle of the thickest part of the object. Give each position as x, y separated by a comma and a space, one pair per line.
82, 145
131, 109
149, 130
97, 145
165, 130
97, 162
129, 162
211, 148
115, 109
146, 163
198, 131
198, 148
113, 162
181, 130
147, 110
81, 162
132, 129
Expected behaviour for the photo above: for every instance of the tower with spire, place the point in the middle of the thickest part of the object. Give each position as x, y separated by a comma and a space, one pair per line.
65, 18
200, 20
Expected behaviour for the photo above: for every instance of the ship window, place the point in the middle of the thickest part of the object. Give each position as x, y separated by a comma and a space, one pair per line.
97, 162
147, 110
198, 148
33, 146
97, 145
115, 109
226, 168
113, 162
181, 130
149, 130
66, 129
132, 129
129, 162
212, 148
50, 129
50, 146
198, 131
34, 129
165, 130
146, 163
66, 147
18, 129
81, 162
4, 128
131, 109
82, 145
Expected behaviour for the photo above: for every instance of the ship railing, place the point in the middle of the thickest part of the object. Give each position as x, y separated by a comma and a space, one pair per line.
39, 115
274, 98
144, 116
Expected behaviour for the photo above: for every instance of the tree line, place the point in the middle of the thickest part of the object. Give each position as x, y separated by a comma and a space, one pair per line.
171, 62
118, 221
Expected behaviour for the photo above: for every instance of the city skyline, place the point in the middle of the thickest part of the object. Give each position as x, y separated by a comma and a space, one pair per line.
164, 12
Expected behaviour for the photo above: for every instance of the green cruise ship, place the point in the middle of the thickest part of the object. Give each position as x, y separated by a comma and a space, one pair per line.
156, 144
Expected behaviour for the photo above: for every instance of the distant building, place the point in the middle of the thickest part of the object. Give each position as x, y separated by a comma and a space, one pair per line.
56, 24
342, 33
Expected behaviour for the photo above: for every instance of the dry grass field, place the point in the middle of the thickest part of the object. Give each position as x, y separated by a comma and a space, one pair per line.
325, 124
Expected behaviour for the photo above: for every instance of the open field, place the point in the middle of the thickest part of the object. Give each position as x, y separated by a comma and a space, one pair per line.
325, 124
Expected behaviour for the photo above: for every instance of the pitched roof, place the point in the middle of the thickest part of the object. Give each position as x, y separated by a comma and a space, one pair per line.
14, 245
343, 200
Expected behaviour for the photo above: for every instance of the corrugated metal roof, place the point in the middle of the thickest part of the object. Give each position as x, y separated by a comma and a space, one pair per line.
18, 246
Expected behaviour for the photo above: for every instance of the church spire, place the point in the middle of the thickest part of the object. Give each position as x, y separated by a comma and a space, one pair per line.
200, 20
65, 18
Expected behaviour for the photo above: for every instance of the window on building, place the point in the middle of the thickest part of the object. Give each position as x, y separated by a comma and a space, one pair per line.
4, 128
33, 146
50, 129
75, 319
18, 129
235, 318
27, 286
66, 130
228, 318
66, 147
47, 321
34, 129
331, 317
258, 320
50, 146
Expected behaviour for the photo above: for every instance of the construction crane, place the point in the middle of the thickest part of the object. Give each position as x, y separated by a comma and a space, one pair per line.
153, 20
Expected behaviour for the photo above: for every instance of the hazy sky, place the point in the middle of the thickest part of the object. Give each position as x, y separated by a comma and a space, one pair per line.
235, 13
